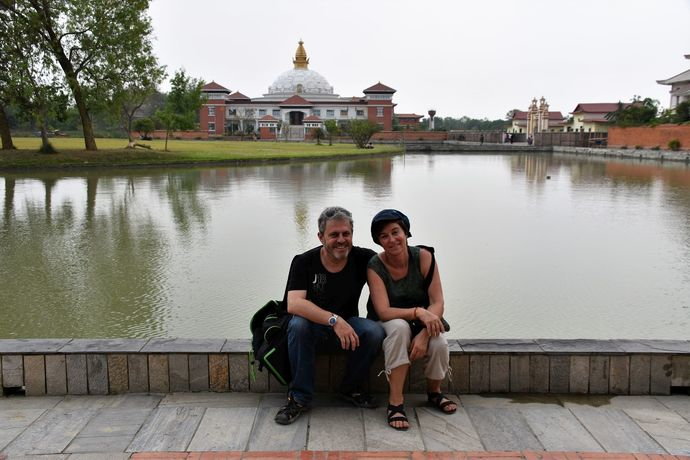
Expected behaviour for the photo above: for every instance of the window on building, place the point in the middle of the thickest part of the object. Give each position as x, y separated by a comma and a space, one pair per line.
276, 113
360, 113
212, 127
232, 112
316, 112
211, 111
262, 112
379, 112
343, 112
330, 113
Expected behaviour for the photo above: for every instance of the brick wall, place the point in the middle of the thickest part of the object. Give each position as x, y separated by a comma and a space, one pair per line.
410, 136
160, 134
649, 137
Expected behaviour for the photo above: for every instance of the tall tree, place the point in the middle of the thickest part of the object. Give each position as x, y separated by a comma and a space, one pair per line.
30, 77
5, 132
95, 42
182, 104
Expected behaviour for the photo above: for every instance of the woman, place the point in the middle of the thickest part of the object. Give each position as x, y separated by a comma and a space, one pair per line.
400, 293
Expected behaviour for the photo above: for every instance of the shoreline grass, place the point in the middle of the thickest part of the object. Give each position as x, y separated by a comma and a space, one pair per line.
112, 153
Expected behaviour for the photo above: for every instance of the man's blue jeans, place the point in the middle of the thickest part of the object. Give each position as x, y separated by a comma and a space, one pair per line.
305, 336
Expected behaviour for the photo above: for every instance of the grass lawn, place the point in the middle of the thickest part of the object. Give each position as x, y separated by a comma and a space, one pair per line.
112, 152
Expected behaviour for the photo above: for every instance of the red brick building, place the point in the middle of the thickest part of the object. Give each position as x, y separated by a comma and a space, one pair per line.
297, 97
409, 120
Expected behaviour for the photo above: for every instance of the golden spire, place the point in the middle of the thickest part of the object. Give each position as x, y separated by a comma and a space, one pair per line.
301, 60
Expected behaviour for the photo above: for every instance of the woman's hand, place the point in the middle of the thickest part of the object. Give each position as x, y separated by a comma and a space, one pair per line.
419, 345
432, 322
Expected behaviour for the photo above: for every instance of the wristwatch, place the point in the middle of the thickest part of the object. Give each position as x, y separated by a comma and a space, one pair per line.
332, 320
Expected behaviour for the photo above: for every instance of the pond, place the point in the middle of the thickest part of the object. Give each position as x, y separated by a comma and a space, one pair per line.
528, 246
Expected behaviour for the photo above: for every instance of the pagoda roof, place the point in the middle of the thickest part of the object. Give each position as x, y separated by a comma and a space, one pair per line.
680, 78
296, 100
268, 118
312, 118
237, 96
213, 86
379, 88
598, 107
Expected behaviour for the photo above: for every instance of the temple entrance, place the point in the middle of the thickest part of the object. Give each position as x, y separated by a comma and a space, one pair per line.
296, 118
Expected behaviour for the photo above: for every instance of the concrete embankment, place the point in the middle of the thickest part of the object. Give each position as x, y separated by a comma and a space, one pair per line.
475, 148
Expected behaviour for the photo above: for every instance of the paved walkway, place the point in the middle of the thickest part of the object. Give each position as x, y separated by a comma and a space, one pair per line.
240, 425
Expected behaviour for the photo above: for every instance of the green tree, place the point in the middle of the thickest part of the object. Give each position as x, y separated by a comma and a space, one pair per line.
361, 131
144, 126
318, 134
682, 112
332, 129
30, 78
181, 105
98, 45
638, 112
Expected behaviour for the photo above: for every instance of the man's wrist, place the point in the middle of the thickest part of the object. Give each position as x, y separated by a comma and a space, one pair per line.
333, 320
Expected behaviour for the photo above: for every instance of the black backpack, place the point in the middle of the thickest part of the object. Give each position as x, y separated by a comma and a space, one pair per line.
269, 340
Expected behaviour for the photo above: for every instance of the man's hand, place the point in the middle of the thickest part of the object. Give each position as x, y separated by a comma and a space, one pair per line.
431, 321
419, 345
349, 340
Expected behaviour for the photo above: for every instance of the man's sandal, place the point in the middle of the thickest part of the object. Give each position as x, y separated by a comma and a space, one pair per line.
441, 402
397, 414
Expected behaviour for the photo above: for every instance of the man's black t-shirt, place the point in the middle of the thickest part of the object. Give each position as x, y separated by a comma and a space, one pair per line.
335, 292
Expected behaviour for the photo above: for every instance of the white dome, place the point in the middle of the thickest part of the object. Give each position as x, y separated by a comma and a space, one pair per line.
300, 81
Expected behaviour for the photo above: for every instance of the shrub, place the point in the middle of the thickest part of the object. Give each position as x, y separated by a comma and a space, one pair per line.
656, 147
624, 147
674, 144
638, 147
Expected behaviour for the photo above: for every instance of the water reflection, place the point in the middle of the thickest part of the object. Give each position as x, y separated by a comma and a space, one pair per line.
193, 252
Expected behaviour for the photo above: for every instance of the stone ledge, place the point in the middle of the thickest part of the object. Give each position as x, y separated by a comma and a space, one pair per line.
104, 346
26, 346
184, 346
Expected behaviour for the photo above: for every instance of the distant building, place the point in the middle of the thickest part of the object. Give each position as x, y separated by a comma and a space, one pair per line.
680, 87
297, 100
536, 120
592, 117
409, 120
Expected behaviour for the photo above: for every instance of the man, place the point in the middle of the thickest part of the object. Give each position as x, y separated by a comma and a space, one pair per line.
323, 292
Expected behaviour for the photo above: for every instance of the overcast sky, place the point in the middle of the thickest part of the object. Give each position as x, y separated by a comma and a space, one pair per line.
474, 58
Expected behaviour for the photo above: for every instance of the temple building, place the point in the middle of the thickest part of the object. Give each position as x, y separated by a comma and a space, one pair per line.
537, 119
680, 87
298, 99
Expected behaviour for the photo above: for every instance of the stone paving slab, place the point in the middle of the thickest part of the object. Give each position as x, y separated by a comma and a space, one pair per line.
448, 432
339, 428
184, 346
557, 429
614, 430
168, 428
104, 346
503, 429
23, 346
214, 400
51, 433
224, 429
267, 435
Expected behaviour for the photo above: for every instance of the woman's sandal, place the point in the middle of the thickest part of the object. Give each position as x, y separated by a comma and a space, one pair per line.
441, 402
401, 417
